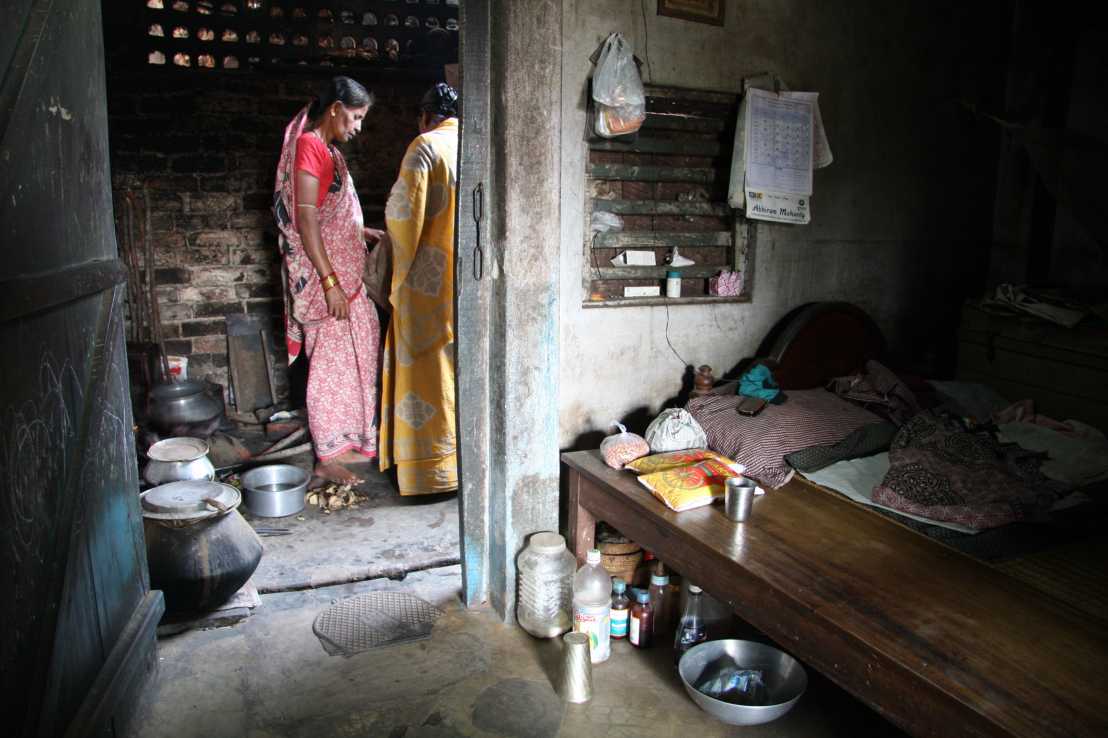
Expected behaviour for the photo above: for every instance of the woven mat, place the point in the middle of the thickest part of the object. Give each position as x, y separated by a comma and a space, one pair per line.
373, 620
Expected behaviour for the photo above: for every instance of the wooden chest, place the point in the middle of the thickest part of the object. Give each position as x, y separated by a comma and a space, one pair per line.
1064, 370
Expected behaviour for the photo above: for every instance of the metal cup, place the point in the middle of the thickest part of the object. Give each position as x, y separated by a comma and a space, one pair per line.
738, 498
576, 683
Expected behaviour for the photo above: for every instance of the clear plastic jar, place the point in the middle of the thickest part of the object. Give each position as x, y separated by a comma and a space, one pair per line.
544, 602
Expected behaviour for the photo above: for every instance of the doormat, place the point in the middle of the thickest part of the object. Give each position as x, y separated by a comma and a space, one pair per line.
373, 620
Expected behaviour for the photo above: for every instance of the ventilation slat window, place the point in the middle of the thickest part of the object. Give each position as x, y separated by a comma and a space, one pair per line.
668, 185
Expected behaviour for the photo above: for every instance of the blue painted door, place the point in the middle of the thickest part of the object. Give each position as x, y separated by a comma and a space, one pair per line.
76, 608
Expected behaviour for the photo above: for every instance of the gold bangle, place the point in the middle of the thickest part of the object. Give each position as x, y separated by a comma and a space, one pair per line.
329, 281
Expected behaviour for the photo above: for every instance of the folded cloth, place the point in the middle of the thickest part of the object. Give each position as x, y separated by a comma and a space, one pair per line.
865, 441
880, 390
759, 382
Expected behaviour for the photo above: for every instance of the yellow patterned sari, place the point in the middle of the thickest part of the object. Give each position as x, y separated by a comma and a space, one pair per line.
417, 432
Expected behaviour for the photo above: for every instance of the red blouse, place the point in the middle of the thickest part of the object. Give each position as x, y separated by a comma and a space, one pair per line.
313, 157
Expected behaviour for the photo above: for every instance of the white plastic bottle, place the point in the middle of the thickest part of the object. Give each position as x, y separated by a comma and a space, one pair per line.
592, 604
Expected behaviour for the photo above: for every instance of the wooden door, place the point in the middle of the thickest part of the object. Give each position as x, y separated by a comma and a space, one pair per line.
77, 609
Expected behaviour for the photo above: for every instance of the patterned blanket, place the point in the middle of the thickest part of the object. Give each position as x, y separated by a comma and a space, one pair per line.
941, 471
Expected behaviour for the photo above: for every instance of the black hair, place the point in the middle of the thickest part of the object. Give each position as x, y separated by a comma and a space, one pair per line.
441, 100
343, 90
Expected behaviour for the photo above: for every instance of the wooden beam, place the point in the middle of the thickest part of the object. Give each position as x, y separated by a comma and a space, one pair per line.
660, 239
680, 146
650, 301
660, 207
655, 272
678, 93
34, 293
632, 173
675, 122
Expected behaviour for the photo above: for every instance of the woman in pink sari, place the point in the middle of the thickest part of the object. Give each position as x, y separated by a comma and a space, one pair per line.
323, 241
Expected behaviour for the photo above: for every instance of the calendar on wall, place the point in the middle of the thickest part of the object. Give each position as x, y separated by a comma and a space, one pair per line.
779, 140
209, 34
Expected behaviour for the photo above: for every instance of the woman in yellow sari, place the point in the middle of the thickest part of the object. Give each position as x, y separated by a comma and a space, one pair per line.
417, 432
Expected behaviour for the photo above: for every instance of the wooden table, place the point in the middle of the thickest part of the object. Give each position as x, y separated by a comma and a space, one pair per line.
937, 642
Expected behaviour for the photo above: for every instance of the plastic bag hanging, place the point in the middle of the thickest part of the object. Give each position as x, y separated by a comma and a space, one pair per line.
617, 90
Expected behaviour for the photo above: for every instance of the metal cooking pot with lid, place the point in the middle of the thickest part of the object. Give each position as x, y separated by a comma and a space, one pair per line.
189, 501
183, 403
178, 459
199, 548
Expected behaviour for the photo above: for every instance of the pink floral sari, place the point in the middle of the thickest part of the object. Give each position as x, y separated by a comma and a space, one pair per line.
342, 375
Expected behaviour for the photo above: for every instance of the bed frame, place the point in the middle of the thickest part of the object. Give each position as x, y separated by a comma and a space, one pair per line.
937, 642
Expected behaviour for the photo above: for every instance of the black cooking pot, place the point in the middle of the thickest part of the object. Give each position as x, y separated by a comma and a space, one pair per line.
199, 548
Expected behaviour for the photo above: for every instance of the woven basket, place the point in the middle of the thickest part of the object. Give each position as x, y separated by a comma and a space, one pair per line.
620, 559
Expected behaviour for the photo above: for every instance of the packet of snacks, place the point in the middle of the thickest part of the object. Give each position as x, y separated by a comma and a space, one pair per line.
695, 485
673, 460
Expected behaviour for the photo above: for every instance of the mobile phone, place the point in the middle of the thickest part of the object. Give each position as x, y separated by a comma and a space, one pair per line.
751, 406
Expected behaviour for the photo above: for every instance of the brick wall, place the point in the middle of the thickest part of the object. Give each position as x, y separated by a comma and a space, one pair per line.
203, 146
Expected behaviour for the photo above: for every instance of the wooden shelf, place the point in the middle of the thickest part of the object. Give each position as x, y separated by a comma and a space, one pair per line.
676, 122
656, 272
660, 239
653, 301
635, 173
675, 146
661, 207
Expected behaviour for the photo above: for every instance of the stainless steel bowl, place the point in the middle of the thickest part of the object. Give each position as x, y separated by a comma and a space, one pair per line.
275, 490
784, 677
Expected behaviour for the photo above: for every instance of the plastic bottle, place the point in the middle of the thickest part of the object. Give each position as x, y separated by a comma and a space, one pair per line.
545, 600
673, 284
690, 631
642, 621
621, 608
592, 605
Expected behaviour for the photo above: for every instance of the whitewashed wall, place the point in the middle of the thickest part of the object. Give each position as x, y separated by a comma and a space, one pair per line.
889, 75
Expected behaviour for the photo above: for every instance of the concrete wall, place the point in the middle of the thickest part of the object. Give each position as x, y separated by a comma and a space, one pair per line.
901, 219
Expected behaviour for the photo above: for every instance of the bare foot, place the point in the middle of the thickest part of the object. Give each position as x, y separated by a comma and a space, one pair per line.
333, 471
350, 457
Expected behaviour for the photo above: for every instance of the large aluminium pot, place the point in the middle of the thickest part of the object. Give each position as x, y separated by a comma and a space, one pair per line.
183, 404
199, 548
177, 460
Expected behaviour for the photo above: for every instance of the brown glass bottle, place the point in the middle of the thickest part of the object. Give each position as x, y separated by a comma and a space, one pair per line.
642, 621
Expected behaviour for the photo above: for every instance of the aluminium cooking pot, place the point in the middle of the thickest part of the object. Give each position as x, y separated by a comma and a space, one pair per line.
275, 490
176, 460
183, 404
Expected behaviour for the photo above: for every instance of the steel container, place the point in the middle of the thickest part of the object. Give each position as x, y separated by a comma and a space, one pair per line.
177, 460
275, 490
784, 678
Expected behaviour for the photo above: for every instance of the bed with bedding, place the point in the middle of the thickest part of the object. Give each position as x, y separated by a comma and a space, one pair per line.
1009, 640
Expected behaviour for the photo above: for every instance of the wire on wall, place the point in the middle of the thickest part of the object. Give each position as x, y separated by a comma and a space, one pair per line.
671, 348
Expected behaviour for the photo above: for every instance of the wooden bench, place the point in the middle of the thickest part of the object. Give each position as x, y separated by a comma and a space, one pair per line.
938, 643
